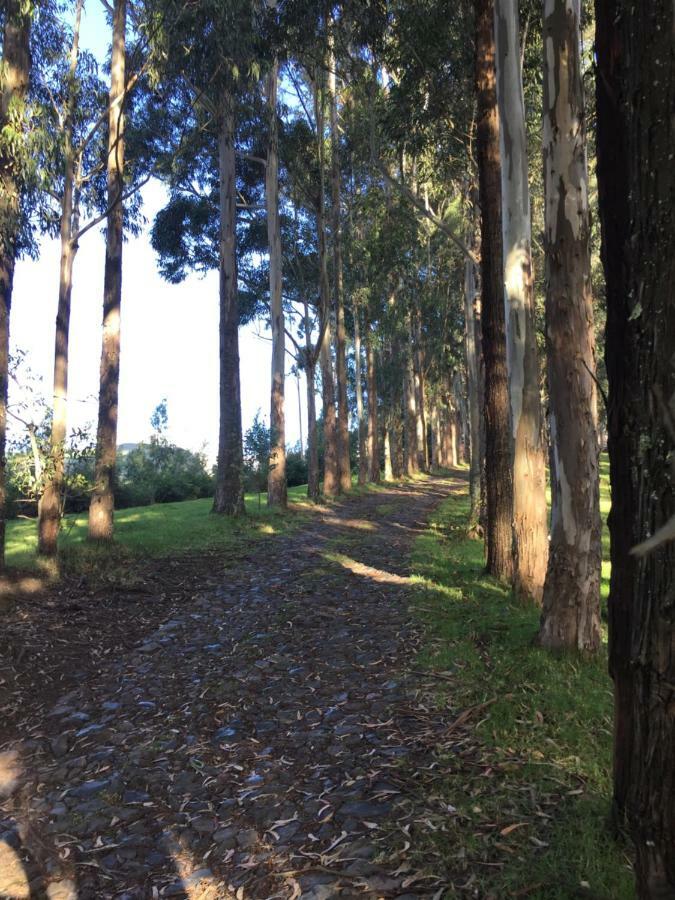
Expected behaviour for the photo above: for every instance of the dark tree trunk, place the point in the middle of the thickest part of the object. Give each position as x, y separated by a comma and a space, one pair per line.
229, 494
16, 63
499, 476
277, 494
636, 178
571, 605
102, 505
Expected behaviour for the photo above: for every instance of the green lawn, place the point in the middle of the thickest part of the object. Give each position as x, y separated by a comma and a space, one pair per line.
159, 530
543, 742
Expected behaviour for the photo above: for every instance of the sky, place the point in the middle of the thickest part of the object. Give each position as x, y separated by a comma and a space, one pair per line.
169, 332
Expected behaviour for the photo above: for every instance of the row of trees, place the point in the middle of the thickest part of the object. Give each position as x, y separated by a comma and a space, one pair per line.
366, 178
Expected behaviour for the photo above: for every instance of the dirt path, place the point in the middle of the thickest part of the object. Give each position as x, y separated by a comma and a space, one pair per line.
255, 741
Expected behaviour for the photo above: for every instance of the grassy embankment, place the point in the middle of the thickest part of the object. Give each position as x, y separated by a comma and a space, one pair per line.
531, 802
160, 530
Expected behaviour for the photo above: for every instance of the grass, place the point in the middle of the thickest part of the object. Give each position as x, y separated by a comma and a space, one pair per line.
160, 530
542, 747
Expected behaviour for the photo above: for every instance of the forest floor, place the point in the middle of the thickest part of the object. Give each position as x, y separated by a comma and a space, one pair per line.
250, 728
348, 708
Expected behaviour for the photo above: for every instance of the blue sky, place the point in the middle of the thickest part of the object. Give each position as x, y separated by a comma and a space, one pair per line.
169, 332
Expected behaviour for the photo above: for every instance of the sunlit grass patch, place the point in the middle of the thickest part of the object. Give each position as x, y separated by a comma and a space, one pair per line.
531, 805
159, 530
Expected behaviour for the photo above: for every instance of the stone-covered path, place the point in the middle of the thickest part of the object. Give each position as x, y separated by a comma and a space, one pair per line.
256, 741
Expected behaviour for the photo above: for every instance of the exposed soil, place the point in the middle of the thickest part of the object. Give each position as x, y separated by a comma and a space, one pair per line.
246, 729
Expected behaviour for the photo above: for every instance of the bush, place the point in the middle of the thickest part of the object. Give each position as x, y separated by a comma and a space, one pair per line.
296, 468
160, 472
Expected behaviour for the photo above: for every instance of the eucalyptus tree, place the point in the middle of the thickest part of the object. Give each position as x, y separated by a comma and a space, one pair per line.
530, 531
338, 275
14, 165
50, 504
276, 482
74, 104
636, 178
331, 462
361, 420
302, 153
74, 109
499, 482
571, 603
213, 54
102, 504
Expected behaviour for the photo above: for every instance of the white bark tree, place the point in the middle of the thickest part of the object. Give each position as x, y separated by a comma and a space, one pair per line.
571, 613
529, 475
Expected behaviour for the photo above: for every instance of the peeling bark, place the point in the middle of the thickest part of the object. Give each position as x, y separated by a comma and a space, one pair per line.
571, 606
636, 178
102, 505
277, 494
530, 533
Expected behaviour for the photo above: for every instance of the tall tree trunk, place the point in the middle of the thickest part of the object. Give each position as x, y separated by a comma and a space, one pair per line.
331, 474
436, 442
277, 494
229, 493
529, 473
313, 486
338, 287
16, 65
51, 502
571, 610
420, 422
373, 433
499, 476
463, 431
313, 478
102, 504
636, 178
331, 480
396, 441
388, 465
452, 431
410, 427
297, 382
363, 425
472, 385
